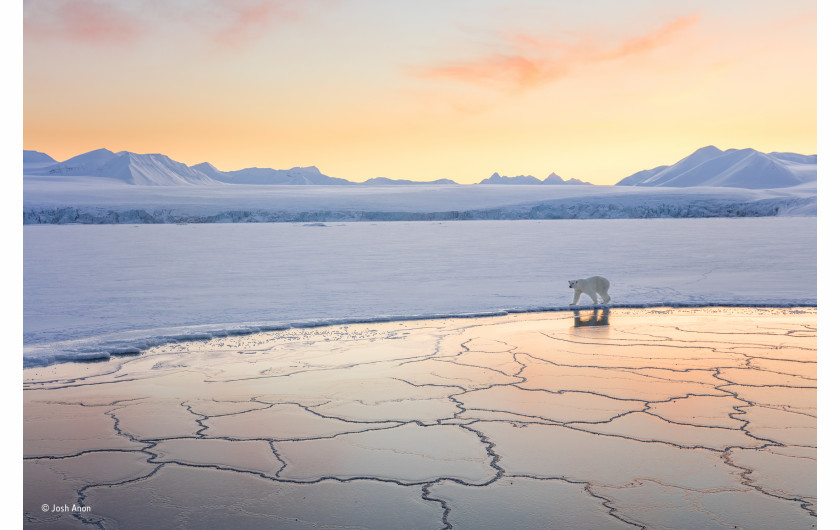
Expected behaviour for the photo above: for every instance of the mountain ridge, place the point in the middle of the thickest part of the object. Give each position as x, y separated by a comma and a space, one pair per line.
707, 166
733, 168
309, 175
553, 179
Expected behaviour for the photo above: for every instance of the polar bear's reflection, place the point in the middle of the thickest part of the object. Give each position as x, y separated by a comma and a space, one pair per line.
596, 317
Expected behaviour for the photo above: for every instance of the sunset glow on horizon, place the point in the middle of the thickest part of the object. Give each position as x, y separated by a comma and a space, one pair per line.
420, 90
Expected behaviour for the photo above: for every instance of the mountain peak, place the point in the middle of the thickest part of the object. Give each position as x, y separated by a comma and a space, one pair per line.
96, 152
556, 179
205, 166
736, 168
308, 169
150, 169
37, 157
495, 178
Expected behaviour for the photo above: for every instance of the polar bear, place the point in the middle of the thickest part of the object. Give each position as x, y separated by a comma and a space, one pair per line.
594, 286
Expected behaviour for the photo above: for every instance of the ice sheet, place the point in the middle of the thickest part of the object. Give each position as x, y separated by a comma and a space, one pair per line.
302, 427
90, 291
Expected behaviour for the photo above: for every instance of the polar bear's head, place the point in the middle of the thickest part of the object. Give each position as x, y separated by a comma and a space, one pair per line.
572, 284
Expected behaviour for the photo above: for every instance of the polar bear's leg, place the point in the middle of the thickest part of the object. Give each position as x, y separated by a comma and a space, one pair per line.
592, 295
577, 297
604, 291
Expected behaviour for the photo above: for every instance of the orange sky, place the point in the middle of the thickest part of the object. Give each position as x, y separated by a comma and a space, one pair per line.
424, 90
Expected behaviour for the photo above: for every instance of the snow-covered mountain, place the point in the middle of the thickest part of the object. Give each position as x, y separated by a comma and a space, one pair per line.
733, 168
160, 170
35, 160
84, 164
709, 166
552, 179
495, 178
131, 168
37, 157
383, 181
151, 170
257, 175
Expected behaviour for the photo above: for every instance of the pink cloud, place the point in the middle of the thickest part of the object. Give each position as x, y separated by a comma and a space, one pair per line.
82, 20
227, 23
241, 22
499, 70
653, 40
535, 61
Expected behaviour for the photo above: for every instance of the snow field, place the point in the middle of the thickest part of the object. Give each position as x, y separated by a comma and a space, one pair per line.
91, 290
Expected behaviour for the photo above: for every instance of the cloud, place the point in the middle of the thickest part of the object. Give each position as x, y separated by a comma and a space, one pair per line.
227, 23
653, 40
499, 70
533, 62
238, 23
87, 21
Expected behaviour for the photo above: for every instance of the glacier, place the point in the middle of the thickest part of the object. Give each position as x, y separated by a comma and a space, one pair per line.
88, 200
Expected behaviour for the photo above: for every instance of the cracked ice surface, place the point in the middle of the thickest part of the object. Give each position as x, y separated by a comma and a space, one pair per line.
655, 418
